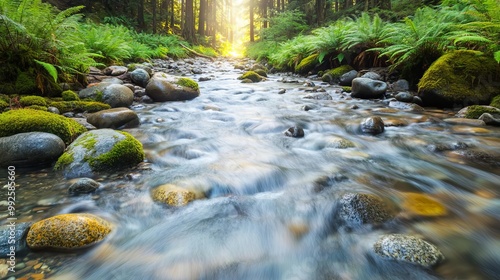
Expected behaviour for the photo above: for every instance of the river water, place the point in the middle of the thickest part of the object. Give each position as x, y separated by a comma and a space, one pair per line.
271, 200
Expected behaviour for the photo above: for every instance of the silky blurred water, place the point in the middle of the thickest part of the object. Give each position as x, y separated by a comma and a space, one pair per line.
271, 205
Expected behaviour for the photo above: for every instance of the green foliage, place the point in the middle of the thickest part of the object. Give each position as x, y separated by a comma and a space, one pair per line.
3, 105
25, 83
79, 106
187, 82
330, 40
284, 26
39, 39
262, 49
69, 95
291, 52
32, 100
364, 34
475, 111
205, 50
29, 120
109, 41
162, 45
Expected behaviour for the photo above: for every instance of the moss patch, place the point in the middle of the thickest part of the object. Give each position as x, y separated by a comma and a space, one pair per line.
69, 95
127, 152
251, 75
475, 111
460, 78
64, 160
32, 100
3, 105
495, 102
335, 73
346, 89
187, 82
29, 120
79, 106
67, 231
307, 64
38, 107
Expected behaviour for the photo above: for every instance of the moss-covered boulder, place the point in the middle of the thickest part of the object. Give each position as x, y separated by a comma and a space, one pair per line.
460, 78
495, 102
475, 111
26, 101
251, 75
173, 195
69, 95
163, 88
68, 231
307, 64
99, 151
29, 120
79, 106
333, 75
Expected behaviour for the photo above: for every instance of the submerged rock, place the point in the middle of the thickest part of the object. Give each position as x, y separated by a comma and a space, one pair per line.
296, 132
19, 233
362, 208
408, 248
372, 125
173, 195
83, 186
423, 205
68, 231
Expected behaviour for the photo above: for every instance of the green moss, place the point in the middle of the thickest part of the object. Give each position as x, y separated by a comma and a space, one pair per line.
460, 78
475, 111
79, 106
64, 160
99, 96
5, 97
128, 152
3, 105
69, 95
495, 102
187, 82
261, 72
25, 83
346, 89
335, 73
251, 75
307, 64
32, 100
29, 120
38, 107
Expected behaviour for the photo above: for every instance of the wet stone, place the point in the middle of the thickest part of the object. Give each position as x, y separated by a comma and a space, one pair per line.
372, 125
362, 208
83, 186
296, 132
408, 248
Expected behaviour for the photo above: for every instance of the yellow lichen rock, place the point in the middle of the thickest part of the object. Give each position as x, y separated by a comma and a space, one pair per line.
173, 195
423, 205
67, 231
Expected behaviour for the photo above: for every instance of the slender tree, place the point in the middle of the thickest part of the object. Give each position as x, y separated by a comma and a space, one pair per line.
188, 30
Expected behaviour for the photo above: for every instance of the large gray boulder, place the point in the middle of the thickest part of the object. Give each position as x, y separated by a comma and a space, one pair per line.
408, 248
347, 78
30, 149
113, 94
114, 118
367, 88
177, 89
99, 151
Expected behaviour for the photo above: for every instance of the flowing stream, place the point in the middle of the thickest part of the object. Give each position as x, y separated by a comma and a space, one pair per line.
271, 200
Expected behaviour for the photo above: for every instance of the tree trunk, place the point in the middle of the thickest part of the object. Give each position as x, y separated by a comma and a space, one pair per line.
251, 15
202, 18
153, 10
172, 15
188, 31
140, 15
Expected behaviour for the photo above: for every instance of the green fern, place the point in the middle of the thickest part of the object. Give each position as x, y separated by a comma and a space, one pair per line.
50, 69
